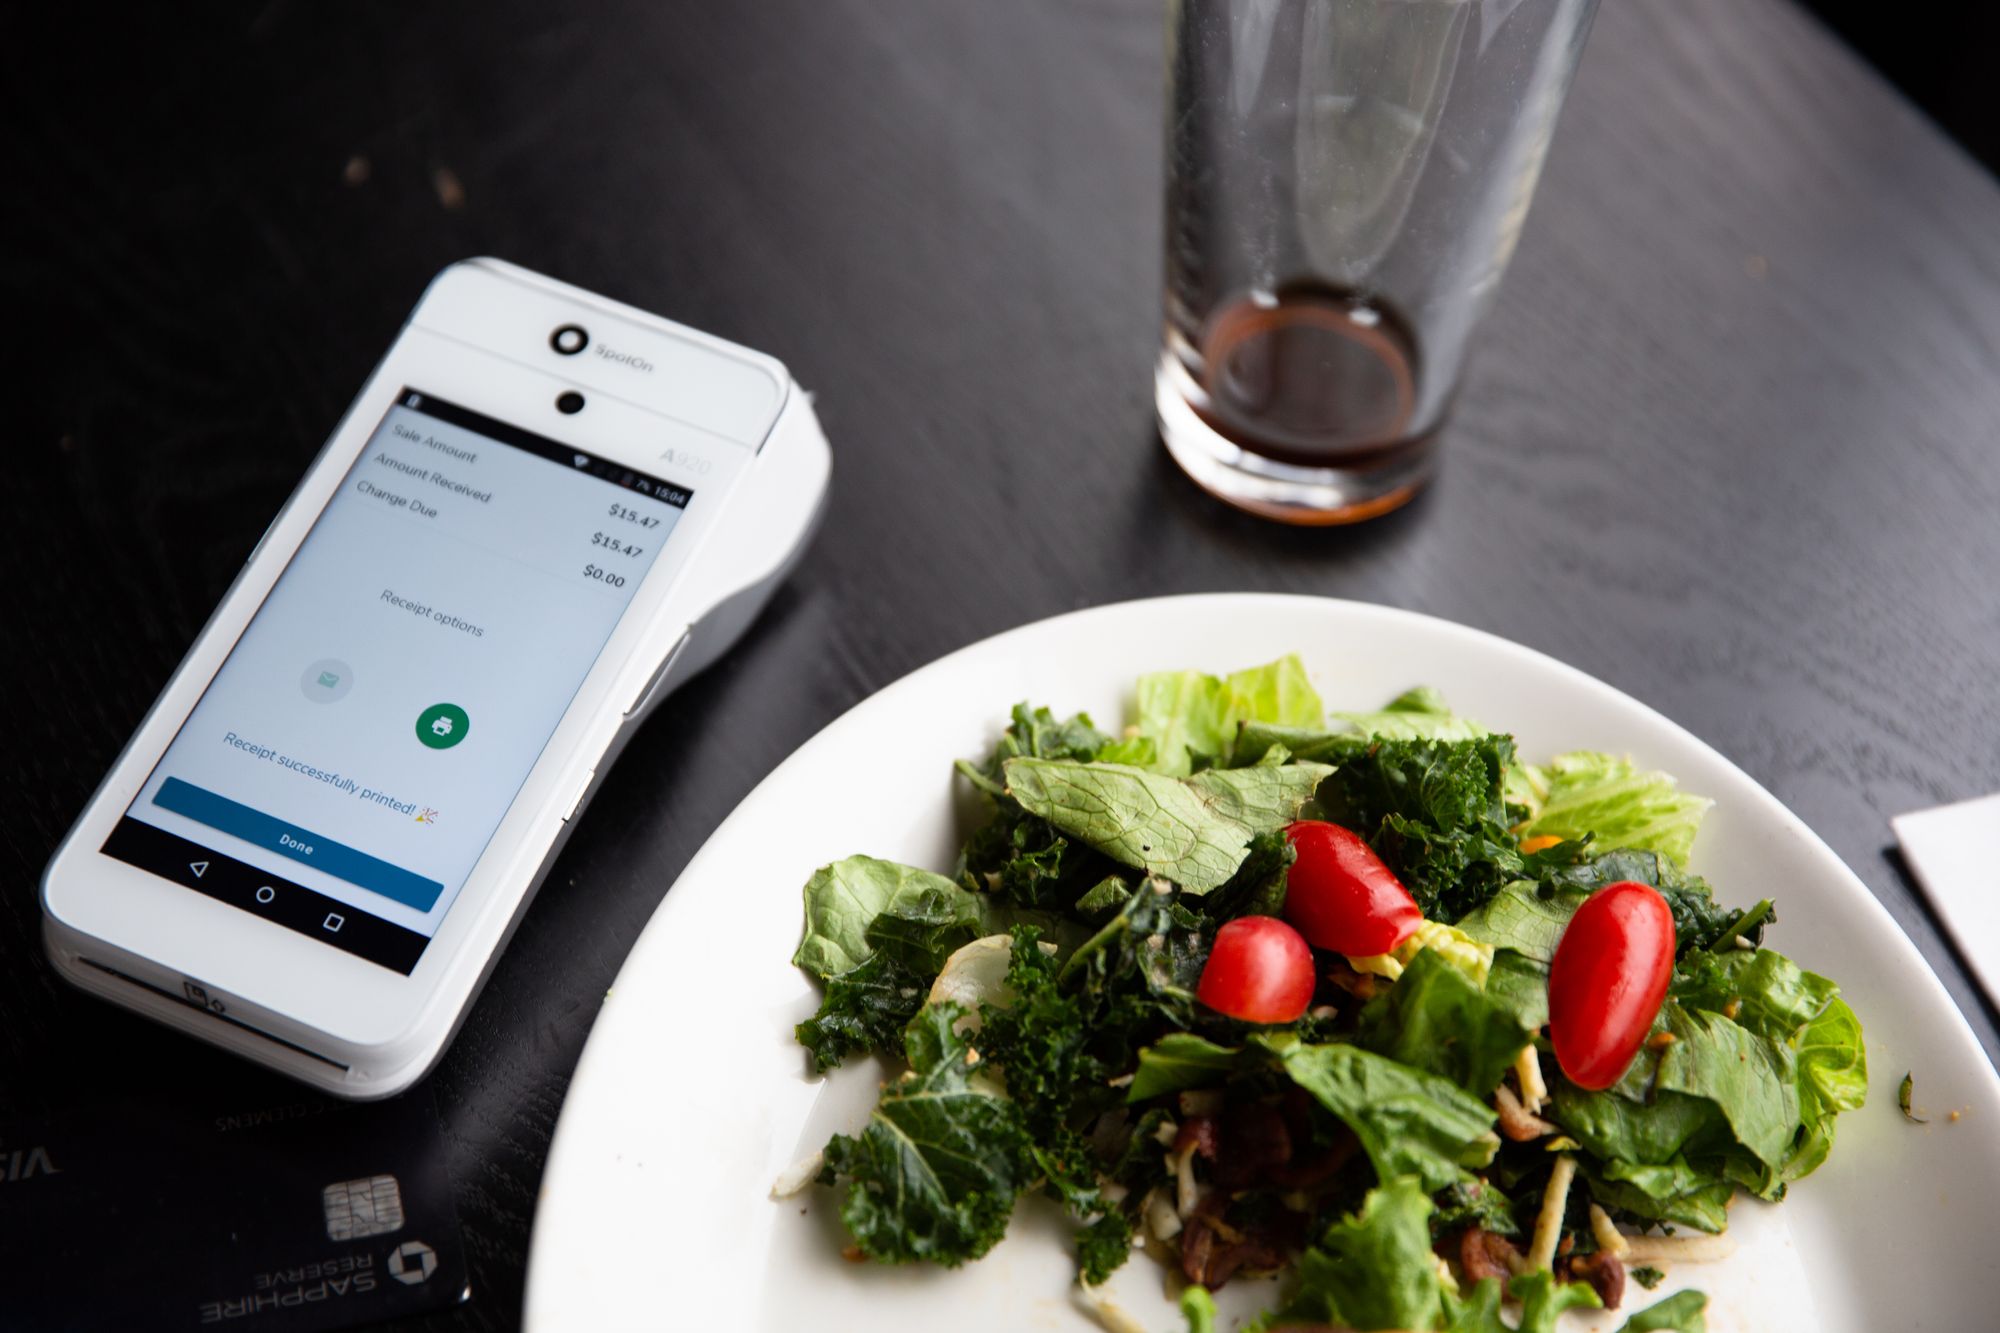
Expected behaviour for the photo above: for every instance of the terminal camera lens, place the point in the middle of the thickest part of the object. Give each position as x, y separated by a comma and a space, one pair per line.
570, 339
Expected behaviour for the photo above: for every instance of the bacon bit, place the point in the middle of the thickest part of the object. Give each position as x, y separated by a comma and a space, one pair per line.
1317, 1172
1199, 1133
971, 1056
1212, 1251
1516, 1122
1254, 1141
1604, 1273
1541, 842
1358, 984
852, 1253
1953, 1117
1659, 1041
1485, 1254
1733, 1008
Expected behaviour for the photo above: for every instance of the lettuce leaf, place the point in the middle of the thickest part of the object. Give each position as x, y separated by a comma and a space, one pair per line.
1677, 1196
1420, 714
1753, 1080
1373, 1270
1409, 1122
1682, 1312
1198, 1308
1833, 1077
1437, 1019
1180, 1060
845, 899
1588, 792
1191, 718
1521, 918
1194, 831
935, 1173
1543, 1300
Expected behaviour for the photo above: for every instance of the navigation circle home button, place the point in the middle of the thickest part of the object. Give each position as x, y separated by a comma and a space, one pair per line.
265, 893
334, 921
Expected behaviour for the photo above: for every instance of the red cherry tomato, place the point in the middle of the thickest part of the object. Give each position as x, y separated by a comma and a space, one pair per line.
1607, 981
1260, 971
1341, 896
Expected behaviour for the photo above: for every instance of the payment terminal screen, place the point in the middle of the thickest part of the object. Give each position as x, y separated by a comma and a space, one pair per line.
351, 760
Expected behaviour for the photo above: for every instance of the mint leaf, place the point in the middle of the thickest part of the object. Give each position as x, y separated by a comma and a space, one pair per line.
1194, 831
843, 901
935, 1173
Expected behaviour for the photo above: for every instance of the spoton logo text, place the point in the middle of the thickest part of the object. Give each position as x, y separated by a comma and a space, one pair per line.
631, 359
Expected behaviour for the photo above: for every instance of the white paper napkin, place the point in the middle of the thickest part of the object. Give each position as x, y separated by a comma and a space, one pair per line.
1954, 851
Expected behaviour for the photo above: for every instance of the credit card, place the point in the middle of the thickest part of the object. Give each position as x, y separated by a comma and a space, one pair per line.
284, 1214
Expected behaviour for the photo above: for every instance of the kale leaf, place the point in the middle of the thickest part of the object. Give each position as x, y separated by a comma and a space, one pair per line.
863, 1010
935, 1174
1436, 813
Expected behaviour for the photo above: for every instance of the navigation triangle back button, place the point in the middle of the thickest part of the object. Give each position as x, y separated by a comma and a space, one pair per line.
200, 868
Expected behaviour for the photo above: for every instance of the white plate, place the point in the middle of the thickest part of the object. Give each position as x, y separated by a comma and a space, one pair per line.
692, 1097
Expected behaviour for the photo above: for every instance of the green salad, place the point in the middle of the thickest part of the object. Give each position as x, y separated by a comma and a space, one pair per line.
1360, 998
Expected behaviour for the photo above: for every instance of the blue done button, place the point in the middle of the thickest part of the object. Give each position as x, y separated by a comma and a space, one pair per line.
303, 845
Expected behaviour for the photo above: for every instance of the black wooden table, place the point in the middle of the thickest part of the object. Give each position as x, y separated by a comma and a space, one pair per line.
1729, 441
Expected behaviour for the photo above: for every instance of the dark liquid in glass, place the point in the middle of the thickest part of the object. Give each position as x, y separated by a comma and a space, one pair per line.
1316, 377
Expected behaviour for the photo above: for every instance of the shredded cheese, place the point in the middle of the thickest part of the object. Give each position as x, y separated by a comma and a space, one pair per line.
1609, 1238
1528, 1069
797, 1176
1187, 1194
1109, 1313
1548, 1225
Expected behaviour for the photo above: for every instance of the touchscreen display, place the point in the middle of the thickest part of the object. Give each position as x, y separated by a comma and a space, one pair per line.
352, 758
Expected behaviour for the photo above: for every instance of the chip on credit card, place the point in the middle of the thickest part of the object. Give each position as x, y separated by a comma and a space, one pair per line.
287, 1214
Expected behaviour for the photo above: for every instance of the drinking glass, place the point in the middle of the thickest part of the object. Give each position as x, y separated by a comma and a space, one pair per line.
1345, 183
